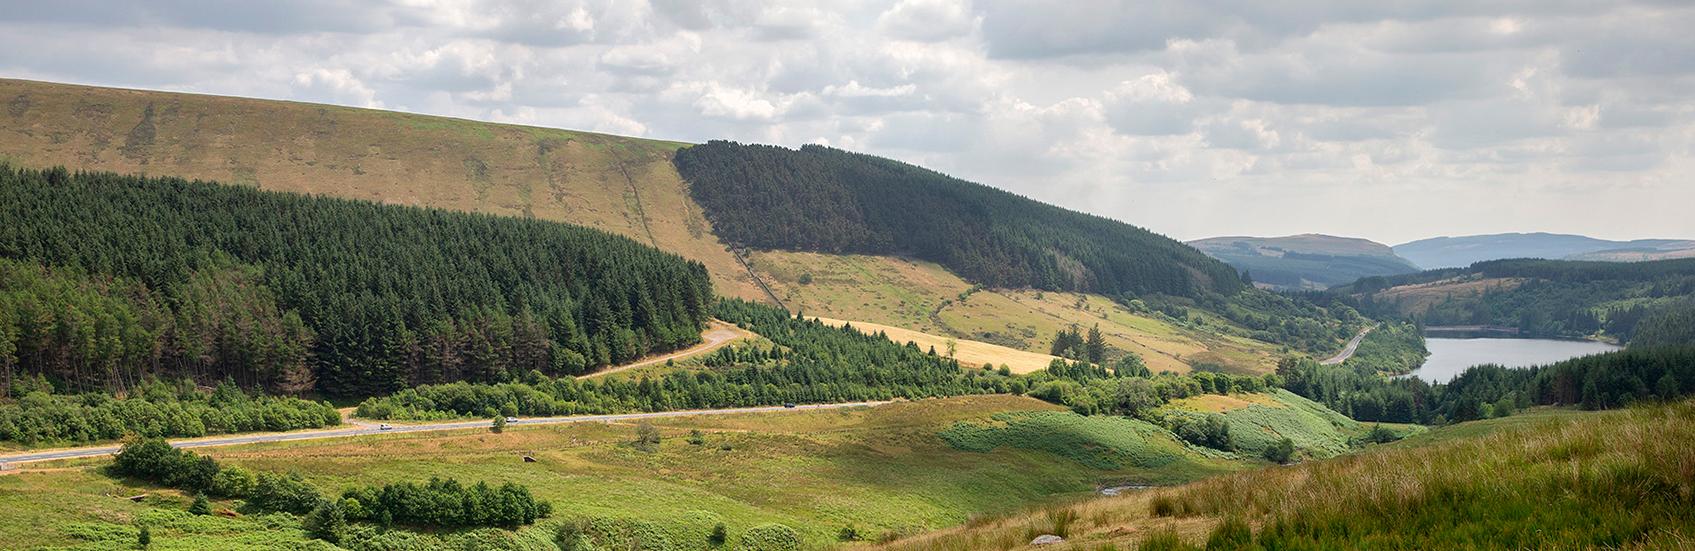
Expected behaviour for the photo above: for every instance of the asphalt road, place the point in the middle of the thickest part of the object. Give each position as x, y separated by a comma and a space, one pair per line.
366, 428
1348, 351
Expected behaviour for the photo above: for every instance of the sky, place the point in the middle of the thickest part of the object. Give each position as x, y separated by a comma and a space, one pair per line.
1392, 120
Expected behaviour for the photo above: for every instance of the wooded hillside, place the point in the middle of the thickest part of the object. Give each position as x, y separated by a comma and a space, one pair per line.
112, 279
823, 199
1562, 298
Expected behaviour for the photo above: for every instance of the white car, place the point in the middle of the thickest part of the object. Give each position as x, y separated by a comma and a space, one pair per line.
384, 426
511, 420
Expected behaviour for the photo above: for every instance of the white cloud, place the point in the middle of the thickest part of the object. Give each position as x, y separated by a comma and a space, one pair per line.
1392, 120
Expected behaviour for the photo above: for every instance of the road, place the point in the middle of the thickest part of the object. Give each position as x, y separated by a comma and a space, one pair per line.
717, 336
365, 428
1348, 351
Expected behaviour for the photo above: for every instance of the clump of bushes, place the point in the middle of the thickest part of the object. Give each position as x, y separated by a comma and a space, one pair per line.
154, 410
441, 503
769, 537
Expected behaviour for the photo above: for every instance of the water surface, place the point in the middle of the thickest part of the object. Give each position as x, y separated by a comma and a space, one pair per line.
1449, 357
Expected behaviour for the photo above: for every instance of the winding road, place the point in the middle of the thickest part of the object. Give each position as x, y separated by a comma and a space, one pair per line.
1348, 351
365, 428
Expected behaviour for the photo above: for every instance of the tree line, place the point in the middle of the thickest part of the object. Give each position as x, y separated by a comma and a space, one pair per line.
823, 199
817, 363
1599, 381
1556, 298
116, 279
155, 409
438, 504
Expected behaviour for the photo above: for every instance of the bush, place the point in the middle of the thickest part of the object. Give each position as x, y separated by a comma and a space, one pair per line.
275, 492
647, 438
326, 521
718, 536
155, 410
233, 482
155, 460
1280, 452
200, 506
1381, 435
769, 537
446, 503
848, 533
593, 534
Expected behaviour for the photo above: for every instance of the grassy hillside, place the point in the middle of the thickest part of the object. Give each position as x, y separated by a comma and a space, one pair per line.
880, 470
924, 297
622, 185
1554, 480
1308, 261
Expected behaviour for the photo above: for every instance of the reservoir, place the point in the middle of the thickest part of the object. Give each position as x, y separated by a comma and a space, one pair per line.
1449, 357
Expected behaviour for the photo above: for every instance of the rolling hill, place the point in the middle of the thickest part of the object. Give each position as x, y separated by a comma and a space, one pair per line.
1459, 252
622, 185
1151, 295
1307, 261
1552, 479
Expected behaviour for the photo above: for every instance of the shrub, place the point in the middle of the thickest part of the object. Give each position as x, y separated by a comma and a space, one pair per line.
448, 504
696, 438
848, 533
718, 536
769, 537
233, 482
275, 492
200, 506
591, 534
40, 417
1280, 452
155, 460
647, 438
326, 521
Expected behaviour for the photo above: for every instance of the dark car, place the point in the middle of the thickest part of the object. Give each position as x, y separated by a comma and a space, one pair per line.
788, 404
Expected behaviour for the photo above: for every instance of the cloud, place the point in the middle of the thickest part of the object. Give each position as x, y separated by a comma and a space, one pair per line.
1392, 120
927, 20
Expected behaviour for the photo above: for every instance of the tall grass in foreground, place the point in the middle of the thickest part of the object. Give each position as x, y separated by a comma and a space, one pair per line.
1612, 480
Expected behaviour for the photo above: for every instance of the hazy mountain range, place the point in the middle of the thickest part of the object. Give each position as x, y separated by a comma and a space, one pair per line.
1315, 261
1456, 252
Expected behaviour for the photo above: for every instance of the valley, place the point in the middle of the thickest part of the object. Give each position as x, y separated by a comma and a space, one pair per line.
231, 323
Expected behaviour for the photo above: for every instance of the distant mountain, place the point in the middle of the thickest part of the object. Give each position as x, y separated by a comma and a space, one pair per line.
1306, 261
1459, 252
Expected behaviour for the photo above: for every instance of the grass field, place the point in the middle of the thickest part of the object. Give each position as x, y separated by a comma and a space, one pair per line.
618, 184
923, 297
969, 353
882, 470
1550, 479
